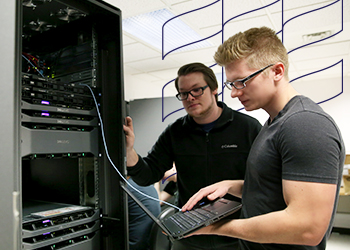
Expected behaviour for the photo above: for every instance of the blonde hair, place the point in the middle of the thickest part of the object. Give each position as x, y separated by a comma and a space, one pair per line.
258, 46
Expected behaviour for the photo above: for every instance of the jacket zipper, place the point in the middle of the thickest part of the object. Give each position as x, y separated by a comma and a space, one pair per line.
208, 172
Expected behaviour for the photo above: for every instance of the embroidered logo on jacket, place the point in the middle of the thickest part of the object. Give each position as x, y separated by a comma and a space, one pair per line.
229, 146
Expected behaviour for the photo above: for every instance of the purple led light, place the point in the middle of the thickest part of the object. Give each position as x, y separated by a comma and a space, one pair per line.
46, 221
46, 233
45, 114
45, 102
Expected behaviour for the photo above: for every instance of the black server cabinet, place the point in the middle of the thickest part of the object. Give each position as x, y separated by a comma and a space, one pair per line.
66, 140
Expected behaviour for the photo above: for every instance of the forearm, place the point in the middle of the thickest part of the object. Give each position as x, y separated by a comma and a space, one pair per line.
304, 221
164, 196
131, 157
277, 227
145, 172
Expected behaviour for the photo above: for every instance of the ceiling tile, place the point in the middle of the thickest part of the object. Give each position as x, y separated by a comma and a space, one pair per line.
154, 64
166, 75
135, 7
136, 51
214, 33
201, 55
127, 39
241, 9
198, 13
317, 64
234, 27
314, 20
130, 71
318, 51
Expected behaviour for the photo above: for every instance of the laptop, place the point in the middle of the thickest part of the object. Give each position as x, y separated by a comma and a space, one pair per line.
181, 224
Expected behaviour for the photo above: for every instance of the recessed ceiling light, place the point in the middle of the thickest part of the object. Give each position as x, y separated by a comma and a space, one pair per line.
163, 31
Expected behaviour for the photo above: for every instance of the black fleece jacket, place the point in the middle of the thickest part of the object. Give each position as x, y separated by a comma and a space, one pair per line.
201, 158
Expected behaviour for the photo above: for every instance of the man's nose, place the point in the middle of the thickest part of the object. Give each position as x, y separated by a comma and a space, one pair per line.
189, 97
236, 92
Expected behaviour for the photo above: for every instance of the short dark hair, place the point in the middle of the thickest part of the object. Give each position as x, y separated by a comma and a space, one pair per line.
208, 75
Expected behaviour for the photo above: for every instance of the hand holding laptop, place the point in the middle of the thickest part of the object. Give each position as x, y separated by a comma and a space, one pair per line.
215, 191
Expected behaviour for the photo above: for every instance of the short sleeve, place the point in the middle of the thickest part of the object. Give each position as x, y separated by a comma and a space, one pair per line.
310, 145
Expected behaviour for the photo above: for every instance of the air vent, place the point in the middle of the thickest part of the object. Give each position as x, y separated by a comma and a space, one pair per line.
316, 36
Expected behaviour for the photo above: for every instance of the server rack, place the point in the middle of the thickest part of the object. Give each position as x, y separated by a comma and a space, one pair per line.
64, 103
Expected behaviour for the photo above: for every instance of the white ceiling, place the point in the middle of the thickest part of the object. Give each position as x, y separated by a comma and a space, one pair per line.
146, 73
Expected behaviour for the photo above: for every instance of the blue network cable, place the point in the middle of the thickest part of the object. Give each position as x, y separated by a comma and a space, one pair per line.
33, 66
110, 160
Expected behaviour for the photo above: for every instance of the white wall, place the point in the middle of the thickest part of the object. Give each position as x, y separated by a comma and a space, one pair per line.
149, 113
148, 122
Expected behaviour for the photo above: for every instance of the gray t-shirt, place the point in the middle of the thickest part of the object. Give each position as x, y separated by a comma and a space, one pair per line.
302, 143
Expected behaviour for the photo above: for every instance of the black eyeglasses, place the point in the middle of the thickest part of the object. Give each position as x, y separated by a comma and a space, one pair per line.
241, 84
194, 92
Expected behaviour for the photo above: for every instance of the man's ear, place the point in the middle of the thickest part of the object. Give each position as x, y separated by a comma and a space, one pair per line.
278, 70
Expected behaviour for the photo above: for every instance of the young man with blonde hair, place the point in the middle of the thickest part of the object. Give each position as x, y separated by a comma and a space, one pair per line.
294, 168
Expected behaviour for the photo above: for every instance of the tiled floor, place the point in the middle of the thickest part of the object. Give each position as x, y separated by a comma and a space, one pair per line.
338, 242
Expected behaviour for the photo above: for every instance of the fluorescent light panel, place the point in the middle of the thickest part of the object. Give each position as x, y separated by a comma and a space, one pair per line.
148, 27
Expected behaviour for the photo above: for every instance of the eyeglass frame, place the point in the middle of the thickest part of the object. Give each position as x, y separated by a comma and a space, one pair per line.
243, 81
189, 92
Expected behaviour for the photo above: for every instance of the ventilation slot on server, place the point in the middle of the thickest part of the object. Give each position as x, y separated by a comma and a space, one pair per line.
53, 238
60, 233
71, 242
56, 115
56, 156
57, 127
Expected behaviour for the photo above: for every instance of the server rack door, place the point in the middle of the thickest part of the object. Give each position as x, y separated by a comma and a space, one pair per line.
9, 110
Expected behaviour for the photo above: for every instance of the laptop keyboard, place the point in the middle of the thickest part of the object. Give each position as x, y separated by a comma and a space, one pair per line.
189, 219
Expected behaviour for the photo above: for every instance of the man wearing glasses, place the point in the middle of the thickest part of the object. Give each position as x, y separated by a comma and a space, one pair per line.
294, 168
210, 144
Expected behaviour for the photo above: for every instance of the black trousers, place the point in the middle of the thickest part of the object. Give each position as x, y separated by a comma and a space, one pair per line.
206, 242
